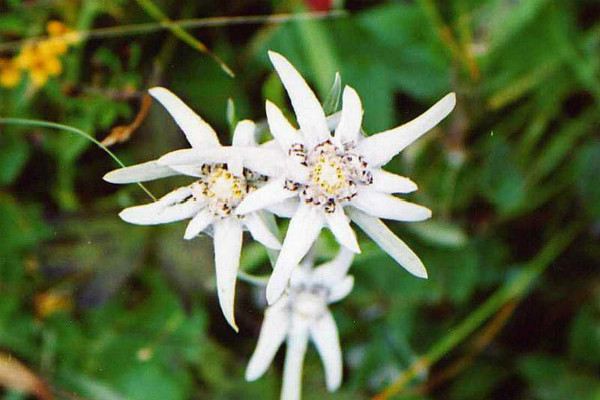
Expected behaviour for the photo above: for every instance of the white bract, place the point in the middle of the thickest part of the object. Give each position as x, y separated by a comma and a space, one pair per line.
300, 315
222, 182
335, 176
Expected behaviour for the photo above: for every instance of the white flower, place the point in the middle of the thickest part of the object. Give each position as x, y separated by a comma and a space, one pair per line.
302, 314
210, 201
336, 176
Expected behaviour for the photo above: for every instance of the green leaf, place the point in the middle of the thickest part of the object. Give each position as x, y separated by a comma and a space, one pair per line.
584, 335
550, 378
587, 166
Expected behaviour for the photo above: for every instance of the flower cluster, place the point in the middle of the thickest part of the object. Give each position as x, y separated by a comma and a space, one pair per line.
325, 173
40, 58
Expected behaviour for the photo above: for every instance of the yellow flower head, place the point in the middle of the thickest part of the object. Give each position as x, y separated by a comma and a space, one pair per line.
59, 32
10, 74
40, 60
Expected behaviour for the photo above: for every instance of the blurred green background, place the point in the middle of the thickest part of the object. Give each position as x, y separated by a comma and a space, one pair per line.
94, 308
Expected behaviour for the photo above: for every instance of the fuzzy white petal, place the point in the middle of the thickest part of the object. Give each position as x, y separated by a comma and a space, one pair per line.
197, 131
197, 157
228, 245
324, 335
332, 272
387, 182
198, 223
339, 224
348, 129
168, 208
272, 333
389, 207
333, 120
147, 171
309, 112
341, 290
284, 209
244, 133
389, 242
269, 162
302, 232
271, 193
380, 148
280, 127
260, 230
294, 362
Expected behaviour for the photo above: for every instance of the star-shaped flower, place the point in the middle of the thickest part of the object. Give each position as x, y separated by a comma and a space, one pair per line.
210, 201
337, 175
302, 314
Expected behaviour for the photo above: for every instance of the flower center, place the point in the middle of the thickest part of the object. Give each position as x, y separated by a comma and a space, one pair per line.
329, 175
309, 302
334, 174
222, 190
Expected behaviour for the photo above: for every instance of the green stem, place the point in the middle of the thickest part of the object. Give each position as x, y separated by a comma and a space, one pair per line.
79, 132
156, 13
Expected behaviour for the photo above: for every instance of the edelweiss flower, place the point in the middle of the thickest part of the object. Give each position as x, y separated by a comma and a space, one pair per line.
335, 175
302, 314
210, 201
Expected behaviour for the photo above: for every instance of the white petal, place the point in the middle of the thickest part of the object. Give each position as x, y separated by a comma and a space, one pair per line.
280, 127
197, 131
284, 209
260, 230
324, 335
389, 207
294, 359
244, 132
341, 290
243, 136
332, 272
228, 245
269, 162
198, 223
380, 148
333, 120
389, 242
339, 225
174, 206
236, 166
386, 182
272, 333
302, 232
309, 112
197, 157
272, 193
348, 129
147, 171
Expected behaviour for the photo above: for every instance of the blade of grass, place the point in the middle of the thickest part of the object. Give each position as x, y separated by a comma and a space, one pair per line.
156, 13
71, 129
513, 290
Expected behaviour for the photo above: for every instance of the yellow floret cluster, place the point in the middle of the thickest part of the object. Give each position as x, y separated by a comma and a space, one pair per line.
41, 59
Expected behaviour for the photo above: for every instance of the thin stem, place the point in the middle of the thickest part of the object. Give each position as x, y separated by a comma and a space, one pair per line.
140, 29
79, 132
513, 290
155, 12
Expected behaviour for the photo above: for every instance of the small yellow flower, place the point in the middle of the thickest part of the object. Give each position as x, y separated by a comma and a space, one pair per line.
41, 61
10, 74
60, 32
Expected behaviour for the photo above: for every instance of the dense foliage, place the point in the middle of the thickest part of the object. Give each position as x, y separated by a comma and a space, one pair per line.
94, 308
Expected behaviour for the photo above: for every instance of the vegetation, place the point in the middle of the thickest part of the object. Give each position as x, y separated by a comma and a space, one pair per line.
94, 308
